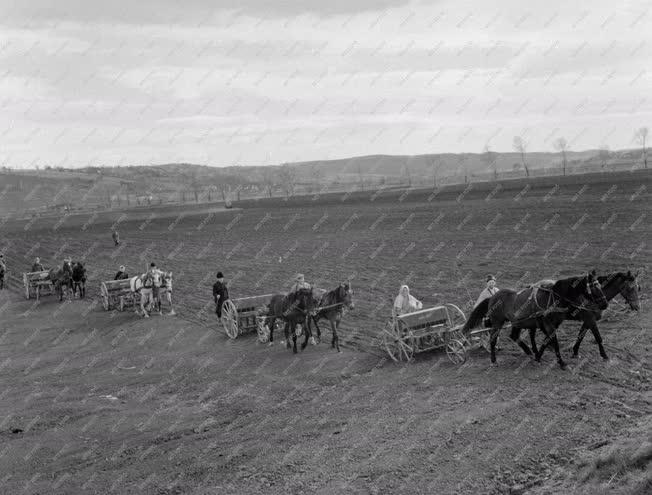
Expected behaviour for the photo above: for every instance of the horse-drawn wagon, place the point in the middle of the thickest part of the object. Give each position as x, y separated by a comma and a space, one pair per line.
119, 294
244, 315
37, 284
439, 327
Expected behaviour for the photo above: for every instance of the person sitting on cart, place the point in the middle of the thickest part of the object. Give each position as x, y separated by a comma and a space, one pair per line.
299, 283
37, 266
488, 291
122, 274
220, 293
405, 302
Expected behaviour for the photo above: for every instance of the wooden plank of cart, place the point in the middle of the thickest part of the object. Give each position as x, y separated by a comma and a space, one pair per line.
246, 314
37, 284
119, 294
439, 327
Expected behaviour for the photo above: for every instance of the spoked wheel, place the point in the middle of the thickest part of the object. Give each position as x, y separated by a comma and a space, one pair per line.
456, 351
230, 319
262, 329
398, 344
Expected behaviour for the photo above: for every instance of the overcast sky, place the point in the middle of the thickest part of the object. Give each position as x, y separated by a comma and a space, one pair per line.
262, 81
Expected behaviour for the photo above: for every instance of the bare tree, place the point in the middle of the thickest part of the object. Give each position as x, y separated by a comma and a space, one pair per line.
407, 173
561, 145
268, 181
435, 168
288, 177
360, 176
603, 155
520, 146
489, 158
641, 138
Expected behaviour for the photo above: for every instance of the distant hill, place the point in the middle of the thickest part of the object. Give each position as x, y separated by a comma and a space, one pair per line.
58, 189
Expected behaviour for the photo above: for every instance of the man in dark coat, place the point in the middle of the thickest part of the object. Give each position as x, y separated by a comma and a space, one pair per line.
37, 266
220, 294
122, 274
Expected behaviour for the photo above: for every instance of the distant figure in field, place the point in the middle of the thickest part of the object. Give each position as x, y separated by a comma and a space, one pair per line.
220, 294
405, 302
122, 274
37, 266
116, 237
3, 269
488, 291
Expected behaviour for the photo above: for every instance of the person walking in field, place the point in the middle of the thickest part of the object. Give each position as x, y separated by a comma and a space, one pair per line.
405, 302
157, 276
220, 294
3, 269
122, 274
116, 237
37, 266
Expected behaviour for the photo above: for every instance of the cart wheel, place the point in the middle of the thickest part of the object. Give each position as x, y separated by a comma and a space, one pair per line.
262, 329
230, 319
456, 351
105, 296
399, 345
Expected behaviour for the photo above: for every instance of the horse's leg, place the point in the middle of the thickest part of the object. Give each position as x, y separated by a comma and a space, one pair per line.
333, 333
533, 340
515, 335
306, 332
294, 337
287, 334
580, 337
337, 337
598, 340
555, 344
271, 323
495, 330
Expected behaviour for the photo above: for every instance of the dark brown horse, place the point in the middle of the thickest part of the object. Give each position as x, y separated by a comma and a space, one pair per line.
612, 284
62, 278
545, 307
293, 309
331, 306
79, 279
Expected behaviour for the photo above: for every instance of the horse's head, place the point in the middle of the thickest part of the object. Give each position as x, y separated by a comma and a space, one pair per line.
345, 295
593, 290
629, 289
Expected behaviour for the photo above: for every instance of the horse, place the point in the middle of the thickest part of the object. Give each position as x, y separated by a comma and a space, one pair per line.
545, 307
79, 279
293, 308
331, 306
612, 284
166, 288
61, 278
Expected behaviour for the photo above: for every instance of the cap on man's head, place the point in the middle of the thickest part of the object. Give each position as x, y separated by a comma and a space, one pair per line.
299, 276
220, 275
152, 264
491, 277
122, 268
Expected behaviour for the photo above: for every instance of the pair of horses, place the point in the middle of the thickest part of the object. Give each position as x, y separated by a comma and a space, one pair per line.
547, 304
305, 307
72, 277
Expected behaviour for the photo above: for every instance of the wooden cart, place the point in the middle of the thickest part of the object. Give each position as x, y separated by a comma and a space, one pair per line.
37, 284
438, 327
119, 294
246, 314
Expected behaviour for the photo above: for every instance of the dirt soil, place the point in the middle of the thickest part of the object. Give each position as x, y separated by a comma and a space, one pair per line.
106, 402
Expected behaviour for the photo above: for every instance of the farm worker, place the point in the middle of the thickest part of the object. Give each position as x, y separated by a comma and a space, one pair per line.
220, 294
122, 274
146, 291
488, 291
405, 302
300, 283
116, 237
157, 276
167, 285
3, 269
37, 267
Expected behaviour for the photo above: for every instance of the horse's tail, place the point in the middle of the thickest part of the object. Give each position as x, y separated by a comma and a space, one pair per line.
477, 315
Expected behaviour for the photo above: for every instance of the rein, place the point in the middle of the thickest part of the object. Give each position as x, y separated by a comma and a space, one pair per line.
557, 296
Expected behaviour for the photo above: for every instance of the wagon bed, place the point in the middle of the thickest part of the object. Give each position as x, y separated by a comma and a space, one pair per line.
245, 314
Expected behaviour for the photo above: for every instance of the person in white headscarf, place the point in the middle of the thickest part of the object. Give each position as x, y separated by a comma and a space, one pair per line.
405, 302
488, 291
